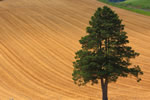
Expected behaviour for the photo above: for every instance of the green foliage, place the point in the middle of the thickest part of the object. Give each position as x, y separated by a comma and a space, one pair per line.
104, 53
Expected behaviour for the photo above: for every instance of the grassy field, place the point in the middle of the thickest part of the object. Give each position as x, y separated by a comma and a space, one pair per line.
143, 4
138, 6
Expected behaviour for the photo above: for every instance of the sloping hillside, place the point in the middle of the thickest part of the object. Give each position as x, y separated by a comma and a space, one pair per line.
38, 39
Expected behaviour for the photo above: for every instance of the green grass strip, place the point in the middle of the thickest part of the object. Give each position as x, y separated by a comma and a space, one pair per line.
120, 5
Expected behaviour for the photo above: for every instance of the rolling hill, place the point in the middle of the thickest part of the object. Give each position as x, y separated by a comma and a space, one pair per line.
38, 39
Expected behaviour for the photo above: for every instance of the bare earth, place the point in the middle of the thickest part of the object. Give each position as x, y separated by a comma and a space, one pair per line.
38, 39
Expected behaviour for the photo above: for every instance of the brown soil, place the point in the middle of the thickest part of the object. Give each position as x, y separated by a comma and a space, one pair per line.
38, 39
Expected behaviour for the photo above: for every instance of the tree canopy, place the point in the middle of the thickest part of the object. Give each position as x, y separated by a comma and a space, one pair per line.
105, 54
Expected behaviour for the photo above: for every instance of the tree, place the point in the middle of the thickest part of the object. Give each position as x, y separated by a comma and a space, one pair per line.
105, 55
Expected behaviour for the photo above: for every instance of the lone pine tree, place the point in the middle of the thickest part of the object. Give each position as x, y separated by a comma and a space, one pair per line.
105, 55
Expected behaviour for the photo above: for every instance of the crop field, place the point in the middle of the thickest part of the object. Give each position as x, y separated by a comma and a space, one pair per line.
38, 39
145, 4
138, 6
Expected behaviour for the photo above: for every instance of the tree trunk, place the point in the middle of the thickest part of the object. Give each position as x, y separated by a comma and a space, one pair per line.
104, 86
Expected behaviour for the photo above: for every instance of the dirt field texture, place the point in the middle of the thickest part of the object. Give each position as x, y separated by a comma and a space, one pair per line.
38, 39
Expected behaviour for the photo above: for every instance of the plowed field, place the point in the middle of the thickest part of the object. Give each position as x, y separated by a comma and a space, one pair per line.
38, 39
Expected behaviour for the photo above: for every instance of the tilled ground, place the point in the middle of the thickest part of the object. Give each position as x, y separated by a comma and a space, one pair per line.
38, 39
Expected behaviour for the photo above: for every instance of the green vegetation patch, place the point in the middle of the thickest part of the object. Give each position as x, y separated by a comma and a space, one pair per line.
144, 4
138, 6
